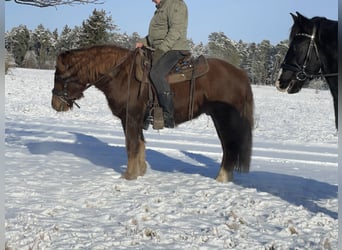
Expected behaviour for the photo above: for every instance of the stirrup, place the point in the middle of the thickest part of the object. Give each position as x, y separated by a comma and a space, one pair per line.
148, 120
158, 118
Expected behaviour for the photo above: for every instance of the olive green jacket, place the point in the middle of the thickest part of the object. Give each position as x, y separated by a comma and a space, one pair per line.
168, 27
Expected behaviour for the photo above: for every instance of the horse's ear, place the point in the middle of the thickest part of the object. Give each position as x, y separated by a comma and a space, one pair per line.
298, 14
294, 17
302, 19
61, 61
303, 22
63, 64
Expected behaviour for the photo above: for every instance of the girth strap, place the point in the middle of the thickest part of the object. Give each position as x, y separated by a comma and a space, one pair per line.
191, 97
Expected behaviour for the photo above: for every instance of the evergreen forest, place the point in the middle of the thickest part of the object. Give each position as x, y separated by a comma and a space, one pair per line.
38, 48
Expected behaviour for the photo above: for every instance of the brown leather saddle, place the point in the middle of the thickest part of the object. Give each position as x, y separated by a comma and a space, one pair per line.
185, 70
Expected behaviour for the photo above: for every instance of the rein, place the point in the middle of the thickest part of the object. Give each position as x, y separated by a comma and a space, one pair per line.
129, 86
301, 74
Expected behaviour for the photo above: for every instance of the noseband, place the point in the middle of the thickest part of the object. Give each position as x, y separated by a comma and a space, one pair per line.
301, 73
63, 94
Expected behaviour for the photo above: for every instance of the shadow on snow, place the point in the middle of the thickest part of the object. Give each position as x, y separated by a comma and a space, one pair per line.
302, 192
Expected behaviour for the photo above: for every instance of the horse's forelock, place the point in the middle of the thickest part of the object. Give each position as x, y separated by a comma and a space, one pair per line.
301, 24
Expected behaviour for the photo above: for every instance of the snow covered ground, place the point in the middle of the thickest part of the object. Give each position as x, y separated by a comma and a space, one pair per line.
63, 188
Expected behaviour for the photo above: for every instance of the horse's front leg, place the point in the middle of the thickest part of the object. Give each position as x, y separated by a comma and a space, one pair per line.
333, 85
336, 112
135, 146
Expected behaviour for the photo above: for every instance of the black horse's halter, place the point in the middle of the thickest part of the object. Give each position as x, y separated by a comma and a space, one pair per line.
301, 73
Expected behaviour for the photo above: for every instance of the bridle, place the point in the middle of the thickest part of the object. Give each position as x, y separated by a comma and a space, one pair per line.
63, 94
301, 73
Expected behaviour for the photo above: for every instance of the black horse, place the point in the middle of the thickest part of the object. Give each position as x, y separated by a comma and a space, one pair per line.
312, 53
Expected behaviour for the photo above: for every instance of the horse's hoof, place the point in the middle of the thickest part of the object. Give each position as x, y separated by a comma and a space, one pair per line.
129, 176
223, 177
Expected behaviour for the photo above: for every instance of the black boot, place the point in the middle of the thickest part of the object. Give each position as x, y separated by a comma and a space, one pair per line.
166, 102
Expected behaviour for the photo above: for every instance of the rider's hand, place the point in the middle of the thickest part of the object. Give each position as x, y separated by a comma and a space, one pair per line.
139, 45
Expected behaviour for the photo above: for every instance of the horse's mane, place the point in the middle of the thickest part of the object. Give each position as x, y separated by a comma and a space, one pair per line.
303, 24
90, 62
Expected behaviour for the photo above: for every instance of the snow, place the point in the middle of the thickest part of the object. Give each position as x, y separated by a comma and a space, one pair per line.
63, 187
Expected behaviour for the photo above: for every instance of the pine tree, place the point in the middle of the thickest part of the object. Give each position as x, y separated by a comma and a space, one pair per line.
242, 49
121, 40
43, 44
221, 46
68, 39
17, 43
95, 29
251, 62
279, 54
264, 56
199, 49
30, 60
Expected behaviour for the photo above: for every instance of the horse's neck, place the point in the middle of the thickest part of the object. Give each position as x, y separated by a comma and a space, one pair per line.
329, 60
94, 71
327, 48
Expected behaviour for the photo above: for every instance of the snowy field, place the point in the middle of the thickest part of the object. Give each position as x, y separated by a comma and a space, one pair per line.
63, 187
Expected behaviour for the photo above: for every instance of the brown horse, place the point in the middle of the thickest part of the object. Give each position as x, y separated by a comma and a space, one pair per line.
224, 93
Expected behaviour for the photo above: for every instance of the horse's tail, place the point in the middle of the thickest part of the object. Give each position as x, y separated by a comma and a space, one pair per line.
245, 150
248, 112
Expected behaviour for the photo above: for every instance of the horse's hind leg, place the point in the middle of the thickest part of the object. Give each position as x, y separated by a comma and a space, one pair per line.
229, 157
135, 146
235, 137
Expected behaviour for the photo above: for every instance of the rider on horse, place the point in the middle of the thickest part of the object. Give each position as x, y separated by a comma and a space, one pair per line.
168, 37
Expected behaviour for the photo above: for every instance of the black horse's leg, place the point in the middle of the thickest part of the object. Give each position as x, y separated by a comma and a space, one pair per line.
333, 85
336, 111
135, 146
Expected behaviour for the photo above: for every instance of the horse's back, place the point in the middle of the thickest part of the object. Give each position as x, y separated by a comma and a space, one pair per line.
227, 80
223, 85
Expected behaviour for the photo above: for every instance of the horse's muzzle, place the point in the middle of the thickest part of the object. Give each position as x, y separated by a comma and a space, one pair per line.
59, 104
278, 83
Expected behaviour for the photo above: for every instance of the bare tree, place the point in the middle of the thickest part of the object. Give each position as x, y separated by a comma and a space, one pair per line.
49, 3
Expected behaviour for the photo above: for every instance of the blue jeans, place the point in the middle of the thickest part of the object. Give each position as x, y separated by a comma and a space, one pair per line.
161, 69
